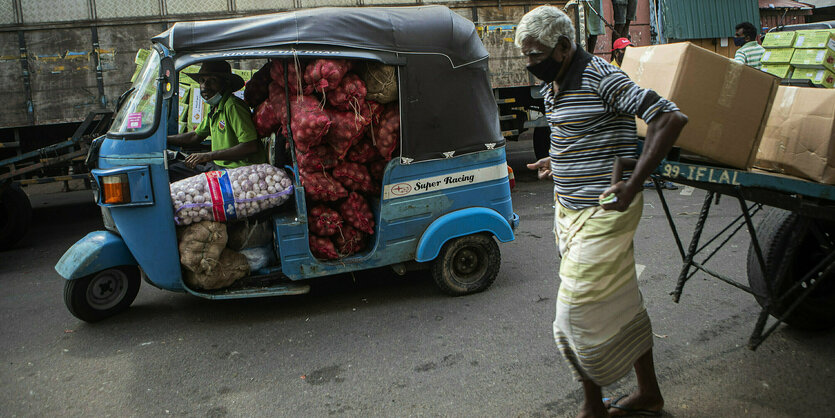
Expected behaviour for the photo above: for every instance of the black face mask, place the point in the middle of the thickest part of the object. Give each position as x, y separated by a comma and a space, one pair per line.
547, 69
739, 41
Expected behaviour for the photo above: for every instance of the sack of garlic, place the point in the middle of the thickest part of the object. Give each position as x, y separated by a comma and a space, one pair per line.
229, 194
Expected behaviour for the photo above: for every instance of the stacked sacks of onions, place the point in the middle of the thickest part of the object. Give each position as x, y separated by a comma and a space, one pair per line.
342, 142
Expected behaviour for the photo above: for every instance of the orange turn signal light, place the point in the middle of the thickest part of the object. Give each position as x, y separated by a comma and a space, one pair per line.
115, 189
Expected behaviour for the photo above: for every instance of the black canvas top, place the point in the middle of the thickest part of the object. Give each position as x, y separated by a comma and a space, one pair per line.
425, 29
446, 101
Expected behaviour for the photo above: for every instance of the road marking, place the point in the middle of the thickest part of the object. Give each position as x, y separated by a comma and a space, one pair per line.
639, 268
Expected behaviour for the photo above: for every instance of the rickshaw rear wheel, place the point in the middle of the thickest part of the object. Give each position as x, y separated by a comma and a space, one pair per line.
103, 294
467, 264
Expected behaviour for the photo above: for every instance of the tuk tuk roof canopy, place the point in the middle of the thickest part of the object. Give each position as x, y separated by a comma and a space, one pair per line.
446, 101
423, 29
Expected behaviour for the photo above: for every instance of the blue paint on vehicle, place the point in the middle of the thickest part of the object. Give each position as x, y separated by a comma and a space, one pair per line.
99, 250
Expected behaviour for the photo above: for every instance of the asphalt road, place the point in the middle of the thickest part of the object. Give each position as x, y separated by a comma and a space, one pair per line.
376, 344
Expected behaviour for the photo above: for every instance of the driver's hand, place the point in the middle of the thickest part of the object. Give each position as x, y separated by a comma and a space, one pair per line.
200, 157
542, 167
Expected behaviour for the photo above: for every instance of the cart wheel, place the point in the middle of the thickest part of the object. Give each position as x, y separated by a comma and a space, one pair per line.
103, 294
467, 264
817, 311
15, 216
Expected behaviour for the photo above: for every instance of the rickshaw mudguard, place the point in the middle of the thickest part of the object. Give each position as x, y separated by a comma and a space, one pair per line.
458, 224
99, 250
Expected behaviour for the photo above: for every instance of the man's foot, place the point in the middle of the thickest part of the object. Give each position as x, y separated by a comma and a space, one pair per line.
588, 412
637, 404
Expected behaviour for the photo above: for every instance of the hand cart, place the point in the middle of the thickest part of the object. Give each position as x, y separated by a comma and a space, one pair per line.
791, 258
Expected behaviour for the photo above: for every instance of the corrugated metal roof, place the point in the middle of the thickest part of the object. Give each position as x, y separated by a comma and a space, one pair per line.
788, 4
701, 19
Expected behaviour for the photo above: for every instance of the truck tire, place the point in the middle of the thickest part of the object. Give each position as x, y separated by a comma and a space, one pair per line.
817, 311
103, 294
15, 216
467, 264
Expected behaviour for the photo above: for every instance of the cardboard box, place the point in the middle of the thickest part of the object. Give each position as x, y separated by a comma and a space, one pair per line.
813, 39
814, 58
197, 108
777, 56
780, 70
824, 78
727, 103
779, 39
799, 138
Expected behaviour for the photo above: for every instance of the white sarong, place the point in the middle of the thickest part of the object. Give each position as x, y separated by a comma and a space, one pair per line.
601, 327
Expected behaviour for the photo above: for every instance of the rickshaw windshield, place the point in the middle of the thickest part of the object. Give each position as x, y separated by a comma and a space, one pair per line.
138, 111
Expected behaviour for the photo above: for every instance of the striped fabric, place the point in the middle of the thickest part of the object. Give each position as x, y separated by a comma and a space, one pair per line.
592, 120
601, 327
750, 54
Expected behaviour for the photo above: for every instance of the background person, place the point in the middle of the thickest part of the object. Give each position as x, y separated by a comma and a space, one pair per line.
750, 52
619, 50
601, 326
624, 13
235, 142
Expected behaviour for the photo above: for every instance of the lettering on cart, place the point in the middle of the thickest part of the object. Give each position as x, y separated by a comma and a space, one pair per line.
705, 174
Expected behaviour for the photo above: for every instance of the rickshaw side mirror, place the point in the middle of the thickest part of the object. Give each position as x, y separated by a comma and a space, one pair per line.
168, 77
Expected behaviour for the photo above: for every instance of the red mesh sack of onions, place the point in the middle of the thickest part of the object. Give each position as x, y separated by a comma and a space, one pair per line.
354, 177
277, 75
363, 152
257, 88
230, 194
324, 221
345, 130
355, 212
310, 123
322, 248
320, 187
324, 74
377, 169
318, 158
349, 241
372, 111
266, 119
349, 95
387, 133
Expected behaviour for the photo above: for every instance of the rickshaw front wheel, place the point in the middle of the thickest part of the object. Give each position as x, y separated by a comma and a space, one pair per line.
467, 264
103, 294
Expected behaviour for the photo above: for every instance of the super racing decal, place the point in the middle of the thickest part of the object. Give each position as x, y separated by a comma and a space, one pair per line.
447, 181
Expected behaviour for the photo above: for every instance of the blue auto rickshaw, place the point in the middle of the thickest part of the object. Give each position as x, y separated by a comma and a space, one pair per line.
445, 197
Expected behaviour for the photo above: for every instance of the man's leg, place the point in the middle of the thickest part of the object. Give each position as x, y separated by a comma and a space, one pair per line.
593, 405
648, 396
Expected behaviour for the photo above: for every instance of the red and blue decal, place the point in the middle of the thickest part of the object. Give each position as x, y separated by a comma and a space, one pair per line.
223, 200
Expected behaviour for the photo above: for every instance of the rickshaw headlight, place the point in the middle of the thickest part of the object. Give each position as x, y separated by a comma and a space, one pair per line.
115, 189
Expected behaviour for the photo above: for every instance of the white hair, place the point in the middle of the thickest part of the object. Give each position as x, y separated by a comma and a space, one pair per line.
544, 24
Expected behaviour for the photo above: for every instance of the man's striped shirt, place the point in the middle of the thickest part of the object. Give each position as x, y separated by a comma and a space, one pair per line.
750, 54
592, 120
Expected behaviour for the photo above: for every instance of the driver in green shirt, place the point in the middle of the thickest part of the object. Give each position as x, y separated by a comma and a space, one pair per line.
235, 142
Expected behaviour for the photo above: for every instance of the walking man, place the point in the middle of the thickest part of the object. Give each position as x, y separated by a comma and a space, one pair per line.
601, 326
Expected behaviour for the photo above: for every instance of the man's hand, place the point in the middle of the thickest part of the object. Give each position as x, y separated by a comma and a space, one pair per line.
542, 167
201, 157
624, 194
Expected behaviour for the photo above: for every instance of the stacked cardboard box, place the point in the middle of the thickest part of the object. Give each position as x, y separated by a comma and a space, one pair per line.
799, 138
727, 103
801, 55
